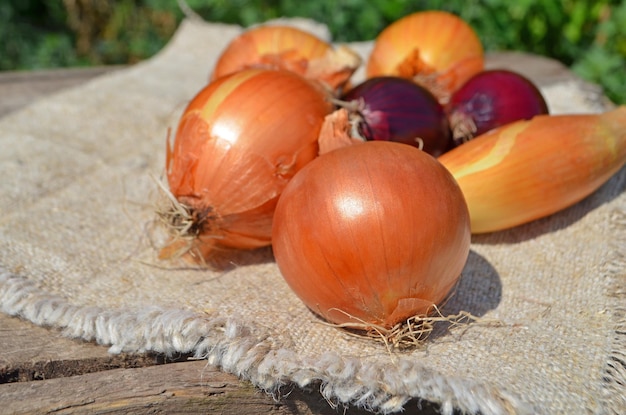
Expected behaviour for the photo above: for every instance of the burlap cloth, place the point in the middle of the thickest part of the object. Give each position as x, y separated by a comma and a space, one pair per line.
77, 201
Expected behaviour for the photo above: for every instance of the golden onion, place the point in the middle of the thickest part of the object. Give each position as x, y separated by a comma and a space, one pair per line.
530, 169
435, 48
238, 143
371, 235
289, 48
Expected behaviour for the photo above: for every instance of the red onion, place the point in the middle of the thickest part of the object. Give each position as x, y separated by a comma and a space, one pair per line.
391, 108
490, 99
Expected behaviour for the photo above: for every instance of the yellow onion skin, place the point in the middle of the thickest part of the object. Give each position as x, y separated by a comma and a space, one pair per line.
292, 49
373, 233
238, 143
269, 46
436, 47
530, 169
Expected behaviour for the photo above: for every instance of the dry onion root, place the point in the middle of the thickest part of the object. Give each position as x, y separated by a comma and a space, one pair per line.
238, 143
407, 334
183, 228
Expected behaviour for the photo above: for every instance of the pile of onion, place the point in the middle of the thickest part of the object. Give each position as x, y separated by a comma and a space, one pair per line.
371, 235
238, 143
434, 48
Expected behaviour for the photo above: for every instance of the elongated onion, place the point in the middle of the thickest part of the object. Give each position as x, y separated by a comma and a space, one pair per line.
435, 48
289, 48
371, 234
238, 143
530, 169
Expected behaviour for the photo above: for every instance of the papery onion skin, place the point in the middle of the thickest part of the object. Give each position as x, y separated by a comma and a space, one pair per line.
397, 109
372, 233
238, 143
491, 99
428, 46
264, 42
288, 48
530, 169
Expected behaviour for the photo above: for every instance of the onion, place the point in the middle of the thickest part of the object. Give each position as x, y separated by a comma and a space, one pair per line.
435, 48
371, 234
530, 169
288, 48
238, 143
490, 99
396, 109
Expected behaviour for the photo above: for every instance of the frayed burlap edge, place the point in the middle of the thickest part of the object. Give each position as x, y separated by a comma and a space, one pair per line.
239, 349
614, 373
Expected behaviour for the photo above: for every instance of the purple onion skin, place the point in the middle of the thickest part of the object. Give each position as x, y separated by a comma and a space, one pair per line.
493, 98
397, 109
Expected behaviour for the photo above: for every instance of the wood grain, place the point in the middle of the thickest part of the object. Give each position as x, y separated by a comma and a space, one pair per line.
31, 353
42, 372
184, 388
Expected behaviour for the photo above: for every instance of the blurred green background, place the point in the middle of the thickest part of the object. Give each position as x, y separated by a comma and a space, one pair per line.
587, 35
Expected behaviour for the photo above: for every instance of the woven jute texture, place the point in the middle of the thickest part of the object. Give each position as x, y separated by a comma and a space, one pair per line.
77, 253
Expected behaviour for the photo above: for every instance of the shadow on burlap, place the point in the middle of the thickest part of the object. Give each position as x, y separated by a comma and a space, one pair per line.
76, 234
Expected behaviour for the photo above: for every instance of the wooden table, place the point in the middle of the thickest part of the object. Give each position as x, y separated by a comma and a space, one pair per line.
43, 372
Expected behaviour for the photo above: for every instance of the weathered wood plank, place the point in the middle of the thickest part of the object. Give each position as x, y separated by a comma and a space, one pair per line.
43, 372
29, 352
184, 388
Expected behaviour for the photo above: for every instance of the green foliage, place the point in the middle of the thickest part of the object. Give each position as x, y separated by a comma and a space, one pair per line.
604, 62
33, 34
586, 35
